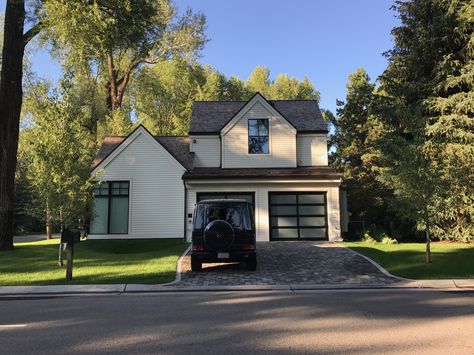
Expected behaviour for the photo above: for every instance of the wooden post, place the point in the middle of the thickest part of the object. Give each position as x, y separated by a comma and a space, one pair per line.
70, 256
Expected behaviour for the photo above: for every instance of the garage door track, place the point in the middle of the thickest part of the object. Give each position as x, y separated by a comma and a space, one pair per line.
290, 263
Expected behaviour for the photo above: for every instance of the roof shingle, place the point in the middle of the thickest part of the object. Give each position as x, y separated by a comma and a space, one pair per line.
178, 147
211, 116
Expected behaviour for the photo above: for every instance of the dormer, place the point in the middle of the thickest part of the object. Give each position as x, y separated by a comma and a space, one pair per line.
258, 134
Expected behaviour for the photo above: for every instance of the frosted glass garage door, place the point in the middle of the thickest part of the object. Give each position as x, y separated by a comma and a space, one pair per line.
301, 215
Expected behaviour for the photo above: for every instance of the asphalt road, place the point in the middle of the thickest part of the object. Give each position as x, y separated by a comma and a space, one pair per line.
363, 322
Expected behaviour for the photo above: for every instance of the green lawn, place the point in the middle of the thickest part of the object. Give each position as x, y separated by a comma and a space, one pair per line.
95, 262
449, 260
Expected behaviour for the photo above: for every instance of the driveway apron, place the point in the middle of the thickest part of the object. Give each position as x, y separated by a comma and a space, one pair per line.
290, 263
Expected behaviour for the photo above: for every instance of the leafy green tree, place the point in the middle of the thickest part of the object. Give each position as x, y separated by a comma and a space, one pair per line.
259, 81
122, 36
163, 96
56, 153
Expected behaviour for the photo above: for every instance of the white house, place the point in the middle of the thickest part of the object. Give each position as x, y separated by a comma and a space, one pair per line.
272, 153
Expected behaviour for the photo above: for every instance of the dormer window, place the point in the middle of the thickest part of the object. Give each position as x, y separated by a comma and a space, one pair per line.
258, 136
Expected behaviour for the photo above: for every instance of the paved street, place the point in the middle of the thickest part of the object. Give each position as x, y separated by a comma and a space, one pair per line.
361, 322
285, 263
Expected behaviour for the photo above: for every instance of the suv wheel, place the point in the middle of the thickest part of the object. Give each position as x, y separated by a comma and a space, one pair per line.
252, 264
196, 264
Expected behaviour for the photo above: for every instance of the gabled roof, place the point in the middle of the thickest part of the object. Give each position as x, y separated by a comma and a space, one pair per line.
209, 117
177, 146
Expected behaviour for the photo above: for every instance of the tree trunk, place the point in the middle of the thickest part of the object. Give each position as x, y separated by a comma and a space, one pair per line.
49, 234
428, 238
11, 95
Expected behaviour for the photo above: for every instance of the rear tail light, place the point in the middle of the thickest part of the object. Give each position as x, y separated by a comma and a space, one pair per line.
198, 247
249, 247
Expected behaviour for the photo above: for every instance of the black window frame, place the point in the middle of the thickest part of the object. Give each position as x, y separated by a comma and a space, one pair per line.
297, 215
109, 195
258, 136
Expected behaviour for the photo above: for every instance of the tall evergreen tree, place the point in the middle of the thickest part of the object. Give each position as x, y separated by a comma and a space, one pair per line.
410, 162
353, 148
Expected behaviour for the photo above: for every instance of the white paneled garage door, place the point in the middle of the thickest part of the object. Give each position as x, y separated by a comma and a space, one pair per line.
298, 215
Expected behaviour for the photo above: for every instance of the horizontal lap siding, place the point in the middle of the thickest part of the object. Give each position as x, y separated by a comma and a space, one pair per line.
261, 191
207, 150
282, 143
312, 150
156, 192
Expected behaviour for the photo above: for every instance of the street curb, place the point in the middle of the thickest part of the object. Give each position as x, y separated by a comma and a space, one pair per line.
380, 268
125, 289
61, 289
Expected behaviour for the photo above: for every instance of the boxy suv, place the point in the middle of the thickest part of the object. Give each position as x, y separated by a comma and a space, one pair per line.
223, 231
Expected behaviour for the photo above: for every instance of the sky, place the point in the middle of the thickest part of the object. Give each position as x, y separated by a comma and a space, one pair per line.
325, 40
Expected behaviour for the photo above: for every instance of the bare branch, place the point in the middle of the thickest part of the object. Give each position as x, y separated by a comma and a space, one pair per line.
31, 33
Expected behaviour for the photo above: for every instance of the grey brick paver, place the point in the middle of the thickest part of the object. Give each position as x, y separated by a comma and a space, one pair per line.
285, 263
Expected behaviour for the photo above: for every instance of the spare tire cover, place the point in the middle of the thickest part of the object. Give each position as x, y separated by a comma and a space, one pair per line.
219, 235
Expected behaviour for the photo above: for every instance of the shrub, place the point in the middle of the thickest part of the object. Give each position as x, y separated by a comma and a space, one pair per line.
368, 239
387, 240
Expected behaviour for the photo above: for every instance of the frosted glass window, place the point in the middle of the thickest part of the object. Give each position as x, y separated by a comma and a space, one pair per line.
284, 210
100, 212
282, 199
290, 233
312, 221
110, 208
314, 199
119, 215
313, 233
311, 210
284, 222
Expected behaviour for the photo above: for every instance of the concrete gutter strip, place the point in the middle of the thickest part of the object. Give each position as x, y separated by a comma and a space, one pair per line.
135, 288
60, 289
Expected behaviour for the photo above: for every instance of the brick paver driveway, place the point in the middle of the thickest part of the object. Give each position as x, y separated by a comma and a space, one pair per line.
290, 263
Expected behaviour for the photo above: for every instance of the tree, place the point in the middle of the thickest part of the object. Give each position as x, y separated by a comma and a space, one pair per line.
57, 152
450, 137
259, 81
11, 94
122, 36
410, 160
353, 148
163, 94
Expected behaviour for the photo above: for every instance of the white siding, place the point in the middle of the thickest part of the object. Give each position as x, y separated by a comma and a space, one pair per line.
261, 190
282, 143
207, 150
312, 149
156, 189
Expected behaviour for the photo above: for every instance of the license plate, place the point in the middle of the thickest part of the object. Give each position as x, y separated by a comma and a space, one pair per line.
223, 255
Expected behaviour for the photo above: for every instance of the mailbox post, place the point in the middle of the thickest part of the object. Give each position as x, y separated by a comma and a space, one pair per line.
70, 237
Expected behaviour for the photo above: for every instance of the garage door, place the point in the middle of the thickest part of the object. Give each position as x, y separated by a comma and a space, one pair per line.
247, 196
301, 215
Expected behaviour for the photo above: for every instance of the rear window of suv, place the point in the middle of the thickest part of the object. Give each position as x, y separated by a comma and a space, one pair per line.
230, 214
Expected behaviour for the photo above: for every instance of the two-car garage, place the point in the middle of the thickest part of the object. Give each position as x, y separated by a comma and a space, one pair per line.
292, 215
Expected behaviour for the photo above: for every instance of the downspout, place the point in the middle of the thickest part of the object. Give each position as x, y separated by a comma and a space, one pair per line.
185, 211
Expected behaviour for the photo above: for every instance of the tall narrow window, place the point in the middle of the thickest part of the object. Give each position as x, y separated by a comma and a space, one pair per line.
258, 136
110, 208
